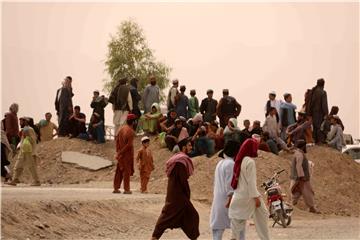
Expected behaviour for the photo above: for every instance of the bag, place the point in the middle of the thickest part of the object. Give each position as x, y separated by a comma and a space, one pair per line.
26, 146
162, 139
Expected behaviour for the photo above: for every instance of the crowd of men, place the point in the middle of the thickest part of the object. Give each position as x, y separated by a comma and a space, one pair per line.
190, 128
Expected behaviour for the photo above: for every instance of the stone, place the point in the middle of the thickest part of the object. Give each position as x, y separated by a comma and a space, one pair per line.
85, 160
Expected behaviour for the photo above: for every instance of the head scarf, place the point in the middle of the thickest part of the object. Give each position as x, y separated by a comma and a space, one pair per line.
248, 149
157, 106
197, 118
235, 123
180, 158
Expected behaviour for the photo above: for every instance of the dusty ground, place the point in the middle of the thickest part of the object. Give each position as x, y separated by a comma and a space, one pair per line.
93, 212
75, 203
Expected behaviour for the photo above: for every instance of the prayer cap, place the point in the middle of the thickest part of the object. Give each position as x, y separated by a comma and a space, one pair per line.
131, 116
146, 138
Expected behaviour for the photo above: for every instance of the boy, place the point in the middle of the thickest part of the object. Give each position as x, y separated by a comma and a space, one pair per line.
145, 163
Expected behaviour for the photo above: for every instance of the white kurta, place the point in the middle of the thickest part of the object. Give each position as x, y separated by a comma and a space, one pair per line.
242, 204
219, 217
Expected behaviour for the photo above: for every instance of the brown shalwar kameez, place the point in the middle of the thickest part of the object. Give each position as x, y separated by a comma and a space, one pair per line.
300, 180
146, 166
125, 157
178, 211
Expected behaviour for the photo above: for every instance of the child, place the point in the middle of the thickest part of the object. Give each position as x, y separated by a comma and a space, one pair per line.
145, 163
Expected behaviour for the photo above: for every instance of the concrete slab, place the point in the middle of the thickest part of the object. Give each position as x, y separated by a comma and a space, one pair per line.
85, 160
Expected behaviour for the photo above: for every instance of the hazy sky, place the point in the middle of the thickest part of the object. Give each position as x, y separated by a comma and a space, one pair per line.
250, 48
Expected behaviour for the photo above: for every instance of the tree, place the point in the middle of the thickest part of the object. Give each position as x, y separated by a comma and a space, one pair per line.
129, 56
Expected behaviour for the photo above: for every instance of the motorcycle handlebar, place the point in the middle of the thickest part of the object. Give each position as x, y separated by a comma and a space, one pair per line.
280, 171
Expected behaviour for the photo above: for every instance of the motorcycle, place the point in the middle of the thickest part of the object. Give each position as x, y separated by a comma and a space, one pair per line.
279, 210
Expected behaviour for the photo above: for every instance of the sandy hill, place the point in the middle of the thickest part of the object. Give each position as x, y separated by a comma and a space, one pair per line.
335, 176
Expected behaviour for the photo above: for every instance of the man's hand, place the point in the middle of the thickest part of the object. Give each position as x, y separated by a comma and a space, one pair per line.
227, 205
257, 202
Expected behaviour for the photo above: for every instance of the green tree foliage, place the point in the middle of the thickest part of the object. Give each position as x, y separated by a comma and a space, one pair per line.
129, 56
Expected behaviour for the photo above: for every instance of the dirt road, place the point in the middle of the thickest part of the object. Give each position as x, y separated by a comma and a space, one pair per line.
93, 212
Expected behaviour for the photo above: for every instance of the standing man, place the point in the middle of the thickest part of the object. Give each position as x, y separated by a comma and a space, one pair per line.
219, 216
227, 108
182, 103
121, 100
47, 128
178, 211
125, 155
300, 177
151, 94
287, 114
272, 102
98, 104
246, 201
173, 92
193, 104
208, 107
318, 109
64, 106
11, 125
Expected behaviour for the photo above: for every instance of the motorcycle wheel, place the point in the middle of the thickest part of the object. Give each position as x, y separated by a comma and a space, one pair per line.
281, 218
288, 220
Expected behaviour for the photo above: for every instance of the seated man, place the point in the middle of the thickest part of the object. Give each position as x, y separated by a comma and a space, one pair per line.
297, 131
202, 144
77, 123
96, 129
175, 135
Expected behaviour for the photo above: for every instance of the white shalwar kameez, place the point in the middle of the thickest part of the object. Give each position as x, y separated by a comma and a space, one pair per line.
242, 205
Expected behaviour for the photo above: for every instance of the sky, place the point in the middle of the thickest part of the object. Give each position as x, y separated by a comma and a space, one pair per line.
249, 48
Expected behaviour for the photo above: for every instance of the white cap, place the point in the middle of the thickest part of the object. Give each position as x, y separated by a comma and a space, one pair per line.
272, 93
145, 138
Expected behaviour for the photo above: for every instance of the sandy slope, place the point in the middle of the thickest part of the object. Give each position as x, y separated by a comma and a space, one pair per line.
75, 203
84, 212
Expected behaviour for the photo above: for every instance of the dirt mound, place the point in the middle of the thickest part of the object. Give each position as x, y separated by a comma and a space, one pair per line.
335, 176
335, 179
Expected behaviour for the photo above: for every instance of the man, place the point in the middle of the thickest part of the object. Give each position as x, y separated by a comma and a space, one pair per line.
318, 109
58, 93
227, 108
27, 156
151, 94
64, 106
219, 216
11, 125
272, 127
193, 104
178, 211
272, 102
173, 92
182, 103
121, 100
246, 130
135, 96
99, 103
287, 114
77, 123
336, 137
256, 128
300, 177
246, 202
47, 128
125, 155
208, 107
298, 130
